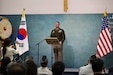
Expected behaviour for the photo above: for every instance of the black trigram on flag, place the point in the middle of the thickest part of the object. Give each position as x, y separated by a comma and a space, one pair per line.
22, 23
21, 45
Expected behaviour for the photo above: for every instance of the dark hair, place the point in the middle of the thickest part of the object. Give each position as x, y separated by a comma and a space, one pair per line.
58, 22
44, 61
92, 58
5, 62
31, 67
58, 68
16, 69
29, 58
97, 65
7, 42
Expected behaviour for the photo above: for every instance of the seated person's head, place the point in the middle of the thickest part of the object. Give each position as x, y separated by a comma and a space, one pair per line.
58, 68
7, 42
16, 69
97, 65
44, 61
31, 67
29, 58
5, 61
92, 58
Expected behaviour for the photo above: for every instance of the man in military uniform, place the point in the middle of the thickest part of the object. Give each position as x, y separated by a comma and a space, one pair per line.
58, 49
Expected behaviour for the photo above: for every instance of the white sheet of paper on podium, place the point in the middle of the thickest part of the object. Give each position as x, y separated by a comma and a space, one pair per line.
52, 40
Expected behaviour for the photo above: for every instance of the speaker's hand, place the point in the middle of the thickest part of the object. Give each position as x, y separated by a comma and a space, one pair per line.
60, 43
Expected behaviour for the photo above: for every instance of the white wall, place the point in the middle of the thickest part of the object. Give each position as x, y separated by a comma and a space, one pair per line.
55, 6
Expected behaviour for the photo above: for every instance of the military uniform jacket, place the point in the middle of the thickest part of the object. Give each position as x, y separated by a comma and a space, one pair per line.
60, 34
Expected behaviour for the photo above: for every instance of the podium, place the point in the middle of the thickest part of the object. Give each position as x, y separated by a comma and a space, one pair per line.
52, 40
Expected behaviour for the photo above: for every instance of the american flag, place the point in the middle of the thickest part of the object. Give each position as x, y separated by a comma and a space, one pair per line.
105, 42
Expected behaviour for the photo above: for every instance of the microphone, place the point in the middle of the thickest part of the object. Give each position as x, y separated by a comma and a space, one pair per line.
41, 41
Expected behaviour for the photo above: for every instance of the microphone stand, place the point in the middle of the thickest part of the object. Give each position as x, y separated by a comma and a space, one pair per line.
38, 49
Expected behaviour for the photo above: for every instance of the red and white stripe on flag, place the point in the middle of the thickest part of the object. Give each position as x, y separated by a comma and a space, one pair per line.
105, 42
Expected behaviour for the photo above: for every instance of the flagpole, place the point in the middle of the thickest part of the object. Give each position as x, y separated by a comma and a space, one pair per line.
24, 44
104, 47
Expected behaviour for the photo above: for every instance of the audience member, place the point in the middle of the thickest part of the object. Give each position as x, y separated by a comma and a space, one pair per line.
31, 67
97, 66
7, 50
5, 62
29, 58
110, 71
43, 69
87, 70
16, 69
58, 68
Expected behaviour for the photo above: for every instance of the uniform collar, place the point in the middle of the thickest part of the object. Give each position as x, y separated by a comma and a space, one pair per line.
57, 29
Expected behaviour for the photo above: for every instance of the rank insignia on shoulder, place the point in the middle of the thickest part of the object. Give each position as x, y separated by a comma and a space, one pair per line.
53, 31
60, 31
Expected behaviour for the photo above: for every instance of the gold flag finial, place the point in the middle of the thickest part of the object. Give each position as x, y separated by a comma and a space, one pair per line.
105, 13
23, 12
65, 5
24, 9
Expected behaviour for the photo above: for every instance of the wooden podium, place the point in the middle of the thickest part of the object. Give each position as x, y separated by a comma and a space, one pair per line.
52, 40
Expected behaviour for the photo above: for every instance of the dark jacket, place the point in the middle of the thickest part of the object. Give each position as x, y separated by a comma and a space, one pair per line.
60, 34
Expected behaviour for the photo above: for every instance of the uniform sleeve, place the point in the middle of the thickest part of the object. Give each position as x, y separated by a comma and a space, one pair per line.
51, 33
63, 36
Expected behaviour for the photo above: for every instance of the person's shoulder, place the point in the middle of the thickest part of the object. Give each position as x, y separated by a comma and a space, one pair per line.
49, 71
82, 69
53, 29
61, 29
86, 68
10, 48
39, 69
